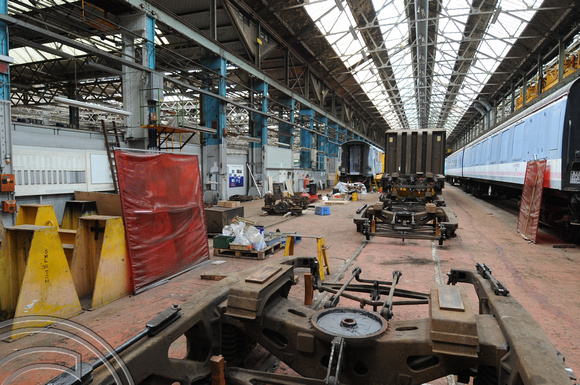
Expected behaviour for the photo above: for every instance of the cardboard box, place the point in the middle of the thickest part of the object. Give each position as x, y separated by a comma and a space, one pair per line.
229, 204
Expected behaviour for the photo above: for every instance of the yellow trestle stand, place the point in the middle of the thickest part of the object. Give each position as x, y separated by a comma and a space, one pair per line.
39, 215
100, 265
35, 279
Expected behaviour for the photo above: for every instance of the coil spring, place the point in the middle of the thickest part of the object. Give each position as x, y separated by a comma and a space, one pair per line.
235, 344
486, 375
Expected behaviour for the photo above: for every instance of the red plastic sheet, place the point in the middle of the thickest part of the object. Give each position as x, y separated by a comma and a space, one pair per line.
531, 203
162, 202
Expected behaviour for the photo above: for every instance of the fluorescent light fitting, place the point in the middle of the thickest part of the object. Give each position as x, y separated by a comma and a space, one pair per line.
250, 139
280, 144
90, 106
200, 128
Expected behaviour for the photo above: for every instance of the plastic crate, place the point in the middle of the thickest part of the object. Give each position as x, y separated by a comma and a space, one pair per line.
322, 210
222, 241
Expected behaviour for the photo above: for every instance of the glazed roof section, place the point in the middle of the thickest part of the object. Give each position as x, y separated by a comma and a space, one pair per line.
439, 94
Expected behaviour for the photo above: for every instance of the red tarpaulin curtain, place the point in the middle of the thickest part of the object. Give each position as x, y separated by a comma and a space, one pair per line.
162, 202
529, 217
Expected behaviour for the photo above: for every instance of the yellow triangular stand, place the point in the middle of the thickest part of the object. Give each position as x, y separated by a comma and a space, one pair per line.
320, 248
100, 265
38, 215
35, 279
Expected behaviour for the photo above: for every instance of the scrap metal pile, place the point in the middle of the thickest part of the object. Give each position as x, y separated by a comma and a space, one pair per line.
501, 344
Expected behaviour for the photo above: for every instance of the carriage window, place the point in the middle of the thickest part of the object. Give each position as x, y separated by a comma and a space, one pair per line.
558, 114
495, 149
504, 145
487, 151
355, 165
518, 141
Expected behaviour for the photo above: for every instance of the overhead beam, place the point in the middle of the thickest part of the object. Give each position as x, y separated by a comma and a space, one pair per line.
166, 17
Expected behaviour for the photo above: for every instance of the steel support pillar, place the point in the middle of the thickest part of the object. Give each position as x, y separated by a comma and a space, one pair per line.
260, 131
333, 145
285, 130
5, 118
133, 80
322, 146
213, 113
306, 139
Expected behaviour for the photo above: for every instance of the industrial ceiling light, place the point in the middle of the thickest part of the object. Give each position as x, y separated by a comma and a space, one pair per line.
90, 106
207, 130
250, 139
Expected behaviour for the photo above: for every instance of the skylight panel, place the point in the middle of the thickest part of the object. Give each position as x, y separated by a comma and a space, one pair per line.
508, 21
502, 32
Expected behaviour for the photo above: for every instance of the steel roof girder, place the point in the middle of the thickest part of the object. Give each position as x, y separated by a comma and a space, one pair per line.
191, 32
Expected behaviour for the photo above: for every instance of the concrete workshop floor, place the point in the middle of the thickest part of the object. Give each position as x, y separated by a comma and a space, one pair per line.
543, 278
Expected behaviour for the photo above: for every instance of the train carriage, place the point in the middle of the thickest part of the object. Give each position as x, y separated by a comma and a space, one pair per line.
360, 162
495, 163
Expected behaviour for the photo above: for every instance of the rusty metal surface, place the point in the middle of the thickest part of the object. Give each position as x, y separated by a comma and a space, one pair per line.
505, 343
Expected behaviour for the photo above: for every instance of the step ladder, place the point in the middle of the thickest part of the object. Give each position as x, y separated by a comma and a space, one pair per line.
111, 142
320, 254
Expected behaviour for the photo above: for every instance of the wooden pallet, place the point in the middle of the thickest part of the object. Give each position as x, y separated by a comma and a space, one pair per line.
249, 254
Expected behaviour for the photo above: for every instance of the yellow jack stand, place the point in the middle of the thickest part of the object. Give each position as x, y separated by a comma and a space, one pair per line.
35, 279
100, 265
38, 215
73, 210
320, 255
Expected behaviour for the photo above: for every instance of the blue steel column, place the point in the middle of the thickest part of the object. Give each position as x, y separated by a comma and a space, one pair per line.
333, 145
333, 153
150, 42
306, 140
261, 121
322, 145
285, 128
150, 54
5, 119
213, 113
213, 110
260, 131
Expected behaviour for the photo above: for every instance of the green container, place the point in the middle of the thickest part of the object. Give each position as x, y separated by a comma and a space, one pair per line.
222, 241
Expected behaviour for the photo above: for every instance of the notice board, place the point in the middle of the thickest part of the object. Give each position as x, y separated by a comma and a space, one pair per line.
531, 203
162, 202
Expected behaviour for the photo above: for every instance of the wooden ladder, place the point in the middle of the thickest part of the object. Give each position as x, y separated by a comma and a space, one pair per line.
112, 141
